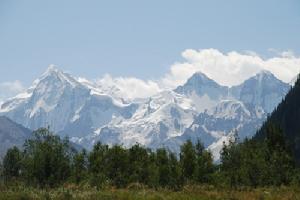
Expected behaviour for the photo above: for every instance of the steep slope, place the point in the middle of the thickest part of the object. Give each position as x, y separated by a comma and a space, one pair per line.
11, 134
58, 100
287, 116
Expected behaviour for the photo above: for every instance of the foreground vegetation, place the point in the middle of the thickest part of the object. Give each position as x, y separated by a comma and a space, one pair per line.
137, 192
48, 167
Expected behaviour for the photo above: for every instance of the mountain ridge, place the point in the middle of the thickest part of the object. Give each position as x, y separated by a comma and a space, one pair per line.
86, 113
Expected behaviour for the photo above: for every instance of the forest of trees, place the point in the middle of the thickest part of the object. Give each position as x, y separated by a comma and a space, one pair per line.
48, 161
287, 115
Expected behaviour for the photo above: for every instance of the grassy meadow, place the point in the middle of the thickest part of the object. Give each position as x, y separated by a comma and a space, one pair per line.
136, 192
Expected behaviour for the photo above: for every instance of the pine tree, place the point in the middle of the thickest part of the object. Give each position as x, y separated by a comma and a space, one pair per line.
47, 159
79, 167
153, 180
12, 164
97, 165
279, 157
138, 164
163, 167
175, 181
118, 166
204, 164
188, 160
231, 162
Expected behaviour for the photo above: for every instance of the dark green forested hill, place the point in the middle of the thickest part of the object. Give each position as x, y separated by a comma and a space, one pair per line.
287, 117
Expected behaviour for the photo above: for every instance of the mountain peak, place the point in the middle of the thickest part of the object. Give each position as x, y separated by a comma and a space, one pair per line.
201, 85
263, 89
54, 73
264, 74
199, 79
52, 69
199, 76
263, 77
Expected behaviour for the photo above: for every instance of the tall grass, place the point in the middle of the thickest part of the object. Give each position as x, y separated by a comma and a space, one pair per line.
140, 193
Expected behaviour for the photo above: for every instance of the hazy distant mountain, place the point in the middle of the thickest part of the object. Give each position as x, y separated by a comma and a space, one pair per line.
11, 134
200, 108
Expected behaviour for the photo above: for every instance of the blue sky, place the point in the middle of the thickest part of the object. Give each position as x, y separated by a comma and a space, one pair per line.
134, 37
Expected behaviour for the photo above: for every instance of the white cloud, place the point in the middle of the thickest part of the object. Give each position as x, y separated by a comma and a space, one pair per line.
10, 89
228, 69
129, 87
231, 68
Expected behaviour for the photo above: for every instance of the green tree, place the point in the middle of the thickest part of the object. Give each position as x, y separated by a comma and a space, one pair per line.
118, 165
153, 180
188, 160
204, 166
97, 165
278, 156
79, 167
254, 166
163, 167
138, 164
12, 164
175, 181
47, 158
231, 161
258, 162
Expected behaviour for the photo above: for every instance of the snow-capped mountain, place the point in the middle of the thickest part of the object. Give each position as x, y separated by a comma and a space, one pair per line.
201, 85
203, 91
228, 118
263, 90
156, 119
199, 109
68, 107
241, 112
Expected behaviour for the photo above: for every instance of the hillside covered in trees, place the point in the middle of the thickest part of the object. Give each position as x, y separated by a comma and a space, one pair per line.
48, 161
287, 117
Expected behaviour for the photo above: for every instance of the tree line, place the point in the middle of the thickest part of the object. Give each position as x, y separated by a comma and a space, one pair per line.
46, 160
